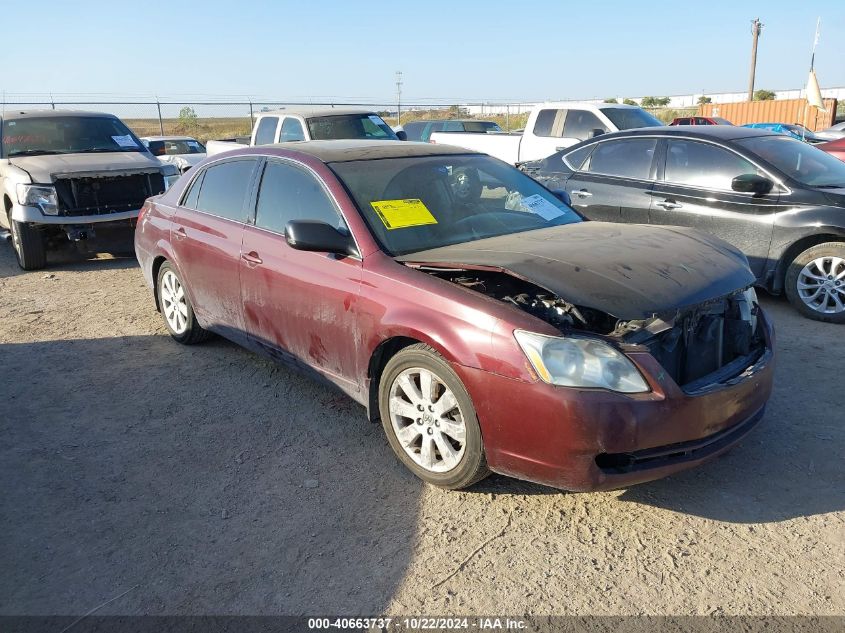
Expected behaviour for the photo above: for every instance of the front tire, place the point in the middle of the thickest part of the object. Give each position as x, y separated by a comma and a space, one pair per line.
29, 244
176, 308
815, 282
429, 419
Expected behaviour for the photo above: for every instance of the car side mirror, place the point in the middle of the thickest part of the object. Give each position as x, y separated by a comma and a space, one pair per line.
563, 196
311, 235
752, 183
596, 132
402, 135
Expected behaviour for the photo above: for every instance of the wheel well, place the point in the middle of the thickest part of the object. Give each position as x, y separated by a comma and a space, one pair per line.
794, 251
157, 262
7, 204
386, 350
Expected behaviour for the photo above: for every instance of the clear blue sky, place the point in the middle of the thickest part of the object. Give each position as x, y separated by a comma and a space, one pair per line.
448, 50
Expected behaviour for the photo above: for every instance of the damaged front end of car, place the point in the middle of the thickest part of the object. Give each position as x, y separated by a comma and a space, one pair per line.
697, 346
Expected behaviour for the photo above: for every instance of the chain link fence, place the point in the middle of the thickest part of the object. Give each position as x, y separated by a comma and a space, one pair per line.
220, 120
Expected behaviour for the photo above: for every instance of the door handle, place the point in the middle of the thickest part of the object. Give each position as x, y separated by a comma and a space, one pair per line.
180, 233
669, 204
582, 193
252, 259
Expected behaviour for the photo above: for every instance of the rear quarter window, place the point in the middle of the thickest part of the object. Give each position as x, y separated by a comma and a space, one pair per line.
224, 189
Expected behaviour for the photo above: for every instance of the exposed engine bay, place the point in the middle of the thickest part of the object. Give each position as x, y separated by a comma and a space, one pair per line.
692, 343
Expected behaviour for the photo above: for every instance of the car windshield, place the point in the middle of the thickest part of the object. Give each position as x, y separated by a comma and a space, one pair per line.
418, 203
481, 126
350, 126
629, 118
802, 162
66, 135
173, 147
414, 130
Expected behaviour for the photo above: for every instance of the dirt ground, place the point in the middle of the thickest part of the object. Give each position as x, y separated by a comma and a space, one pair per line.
162, 479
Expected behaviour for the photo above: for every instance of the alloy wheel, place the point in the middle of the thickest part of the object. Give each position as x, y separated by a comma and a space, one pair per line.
174, 303
427, 420
821, 285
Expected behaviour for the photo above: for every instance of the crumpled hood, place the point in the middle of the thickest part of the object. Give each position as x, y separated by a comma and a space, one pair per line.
628, 271
43, 168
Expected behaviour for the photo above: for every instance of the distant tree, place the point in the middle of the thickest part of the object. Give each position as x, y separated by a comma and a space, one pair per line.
702, 100
611, 100
764, 95
629, 102
655, 102
187, 116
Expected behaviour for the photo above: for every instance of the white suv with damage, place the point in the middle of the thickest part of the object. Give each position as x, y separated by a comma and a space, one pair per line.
72, 176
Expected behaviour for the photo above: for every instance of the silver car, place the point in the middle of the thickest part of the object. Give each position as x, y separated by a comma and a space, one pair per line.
182, 151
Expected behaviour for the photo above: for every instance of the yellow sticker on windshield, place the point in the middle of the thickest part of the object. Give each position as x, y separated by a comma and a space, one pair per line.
400, 214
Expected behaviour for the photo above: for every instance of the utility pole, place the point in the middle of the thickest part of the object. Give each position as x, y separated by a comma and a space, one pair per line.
756, 29
398, 97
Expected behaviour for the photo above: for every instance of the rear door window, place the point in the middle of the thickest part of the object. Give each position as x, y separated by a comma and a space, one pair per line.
549, 123
581, 124
224, 189
266, 132
291, 131
626, 158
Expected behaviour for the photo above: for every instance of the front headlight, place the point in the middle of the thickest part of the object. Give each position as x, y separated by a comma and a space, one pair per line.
41, 196
580, 362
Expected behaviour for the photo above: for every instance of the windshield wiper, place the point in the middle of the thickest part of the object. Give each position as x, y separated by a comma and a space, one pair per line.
94, 150
32, 152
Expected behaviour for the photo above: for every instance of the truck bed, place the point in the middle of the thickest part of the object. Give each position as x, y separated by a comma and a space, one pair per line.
503, 146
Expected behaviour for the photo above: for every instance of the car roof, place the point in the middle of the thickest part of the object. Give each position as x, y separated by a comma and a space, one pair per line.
721, 132
586, 105
167, 138
309, 111
35, 114
338, 151
450, 121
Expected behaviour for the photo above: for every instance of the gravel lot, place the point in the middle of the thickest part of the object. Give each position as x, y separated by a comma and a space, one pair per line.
174, 479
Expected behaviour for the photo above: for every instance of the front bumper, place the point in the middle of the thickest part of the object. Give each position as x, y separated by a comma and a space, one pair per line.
33, 215
599, 440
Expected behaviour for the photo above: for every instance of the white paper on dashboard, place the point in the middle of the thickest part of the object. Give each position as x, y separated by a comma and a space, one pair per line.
124, 141
542, 207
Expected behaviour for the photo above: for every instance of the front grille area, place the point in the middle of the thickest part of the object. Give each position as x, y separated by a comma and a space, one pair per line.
106, 194
707, 341
618, 463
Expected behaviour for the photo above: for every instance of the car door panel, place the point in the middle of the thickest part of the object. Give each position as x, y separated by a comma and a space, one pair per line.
299, 306
207, 243
614, 183
694, 191
208, 251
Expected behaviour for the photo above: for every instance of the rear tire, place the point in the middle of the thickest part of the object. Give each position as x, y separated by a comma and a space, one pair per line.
176, 309
29, 244
429, 419
812, 286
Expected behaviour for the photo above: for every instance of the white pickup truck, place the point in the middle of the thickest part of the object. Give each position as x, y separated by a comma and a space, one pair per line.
551, 127
311, 124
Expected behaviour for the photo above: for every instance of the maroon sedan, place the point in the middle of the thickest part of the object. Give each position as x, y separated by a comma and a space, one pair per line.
834, 148
482, 320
